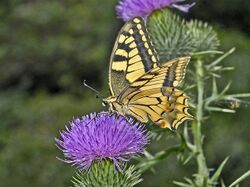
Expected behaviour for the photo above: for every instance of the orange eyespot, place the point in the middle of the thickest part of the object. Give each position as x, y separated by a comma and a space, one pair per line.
163, 124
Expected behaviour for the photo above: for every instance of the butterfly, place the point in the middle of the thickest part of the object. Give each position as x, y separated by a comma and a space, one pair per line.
140, 85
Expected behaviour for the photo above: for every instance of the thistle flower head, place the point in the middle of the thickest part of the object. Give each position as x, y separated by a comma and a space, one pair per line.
101, 136
128, 9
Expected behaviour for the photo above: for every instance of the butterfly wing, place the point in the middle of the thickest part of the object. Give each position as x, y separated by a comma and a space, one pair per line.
176, 70
154, 95
132, 56
169, 74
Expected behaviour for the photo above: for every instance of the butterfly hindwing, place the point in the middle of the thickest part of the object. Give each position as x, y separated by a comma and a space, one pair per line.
154, 96
176, 71
132, 56
167, 111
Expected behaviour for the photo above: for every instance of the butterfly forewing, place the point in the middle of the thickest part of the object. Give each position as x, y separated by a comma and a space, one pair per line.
132, 56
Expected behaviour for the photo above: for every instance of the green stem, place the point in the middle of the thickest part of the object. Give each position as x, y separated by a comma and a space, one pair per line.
203, 172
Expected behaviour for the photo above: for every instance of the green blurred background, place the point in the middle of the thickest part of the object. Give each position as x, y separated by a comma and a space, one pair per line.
47, 48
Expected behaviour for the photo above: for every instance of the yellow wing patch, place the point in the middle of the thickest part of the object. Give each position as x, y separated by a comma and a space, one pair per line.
134, 49
134, 74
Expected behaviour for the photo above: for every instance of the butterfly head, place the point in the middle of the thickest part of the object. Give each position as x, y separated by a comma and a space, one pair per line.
112, 103
105, 102
108, 101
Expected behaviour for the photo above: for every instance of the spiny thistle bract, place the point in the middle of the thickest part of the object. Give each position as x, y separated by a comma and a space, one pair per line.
174, 37
108, 175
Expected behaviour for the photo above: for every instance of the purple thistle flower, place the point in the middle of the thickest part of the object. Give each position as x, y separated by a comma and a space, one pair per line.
101, 136
128, 9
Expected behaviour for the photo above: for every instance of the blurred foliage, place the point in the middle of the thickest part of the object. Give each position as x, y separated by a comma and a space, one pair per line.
47, 48
27, 147
51, 45
232, 14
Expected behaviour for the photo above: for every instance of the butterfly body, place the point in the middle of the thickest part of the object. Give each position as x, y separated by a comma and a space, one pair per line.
140, 85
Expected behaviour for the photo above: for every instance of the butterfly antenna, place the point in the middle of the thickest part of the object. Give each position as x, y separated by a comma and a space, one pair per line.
98, 95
